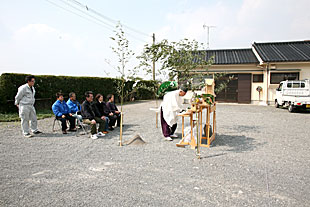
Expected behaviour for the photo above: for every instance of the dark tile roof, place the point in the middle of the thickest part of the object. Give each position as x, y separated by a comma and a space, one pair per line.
232, 56
296, 51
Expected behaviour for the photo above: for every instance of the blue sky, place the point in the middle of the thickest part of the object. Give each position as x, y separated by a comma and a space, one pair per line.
40, 38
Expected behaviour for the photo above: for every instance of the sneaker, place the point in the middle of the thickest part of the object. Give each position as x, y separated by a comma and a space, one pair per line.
28, 135
105, 132
93, 136
37, 132
100, 134
174, 136
64, 132
168, 139
72, 130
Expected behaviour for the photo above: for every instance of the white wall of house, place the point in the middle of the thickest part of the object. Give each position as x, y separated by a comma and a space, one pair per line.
303, 68
304, 73
257, 97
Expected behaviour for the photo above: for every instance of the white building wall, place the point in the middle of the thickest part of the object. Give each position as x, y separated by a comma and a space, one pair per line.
302, 68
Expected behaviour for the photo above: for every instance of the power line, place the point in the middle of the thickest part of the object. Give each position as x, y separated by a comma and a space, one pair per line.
87, 14
97, 13
106, 25
107, 18
79, 15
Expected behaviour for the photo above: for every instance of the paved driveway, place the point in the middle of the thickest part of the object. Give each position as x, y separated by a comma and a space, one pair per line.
261, 157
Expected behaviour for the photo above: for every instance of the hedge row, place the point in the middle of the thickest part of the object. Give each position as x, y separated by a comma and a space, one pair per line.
47, 86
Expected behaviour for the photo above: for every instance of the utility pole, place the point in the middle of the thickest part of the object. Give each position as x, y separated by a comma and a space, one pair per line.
153, 58
208, 34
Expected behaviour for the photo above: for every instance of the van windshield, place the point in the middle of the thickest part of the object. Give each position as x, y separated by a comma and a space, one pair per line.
280, 87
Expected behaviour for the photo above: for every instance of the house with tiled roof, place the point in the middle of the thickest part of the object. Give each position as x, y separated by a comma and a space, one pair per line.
263, 66
282, 61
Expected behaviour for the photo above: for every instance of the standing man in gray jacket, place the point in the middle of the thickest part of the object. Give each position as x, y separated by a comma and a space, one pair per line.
24, 100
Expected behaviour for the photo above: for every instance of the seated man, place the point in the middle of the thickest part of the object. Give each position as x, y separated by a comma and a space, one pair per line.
62, 113
112, 107
89, 117
104, 112
74, 106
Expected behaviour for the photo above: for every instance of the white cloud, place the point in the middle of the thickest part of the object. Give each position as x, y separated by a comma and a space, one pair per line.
239, 26
43, 35
41, 49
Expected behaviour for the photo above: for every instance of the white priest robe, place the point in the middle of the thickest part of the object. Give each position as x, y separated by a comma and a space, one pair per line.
171, 106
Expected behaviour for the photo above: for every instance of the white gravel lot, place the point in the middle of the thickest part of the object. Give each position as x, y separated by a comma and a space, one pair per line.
261, 157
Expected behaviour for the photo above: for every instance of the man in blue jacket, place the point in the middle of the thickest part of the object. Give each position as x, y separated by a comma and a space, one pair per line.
62, 113
74, 106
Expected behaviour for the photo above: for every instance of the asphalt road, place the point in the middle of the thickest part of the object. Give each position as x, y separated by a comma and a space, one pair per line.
260, 158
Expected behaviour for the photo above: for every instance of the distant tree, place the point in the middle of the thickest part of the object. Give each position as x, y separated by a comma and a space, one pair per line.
181, 60
184, 61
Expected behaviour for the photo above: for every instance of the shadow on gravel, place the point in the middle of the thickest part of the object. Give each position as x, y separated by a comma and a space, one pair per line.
138, 102
127, 128
52, 135
302, 112
209, 156
299, 111
235, 143
242, 128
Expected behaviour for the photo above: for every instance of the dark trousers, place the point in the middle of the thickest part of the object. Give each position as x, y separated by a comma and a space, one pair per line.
118, 118
112, 120
167, 130
64, 122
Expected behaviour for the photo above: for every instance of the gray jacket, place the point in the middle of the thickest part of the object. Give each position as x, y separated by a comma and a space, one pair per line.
25, 96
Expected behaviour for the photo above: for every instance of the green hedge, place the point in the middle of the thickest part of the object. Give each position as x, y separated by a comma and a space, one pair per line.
47, 86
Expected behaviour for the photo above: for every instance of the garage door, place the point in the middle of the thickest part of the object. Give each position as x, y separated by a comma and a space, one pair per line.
244, 88
238, 89
230, 92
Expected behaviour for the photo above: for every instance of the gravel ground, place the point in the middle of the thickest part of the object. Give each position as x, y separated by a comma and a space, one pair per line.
260, 158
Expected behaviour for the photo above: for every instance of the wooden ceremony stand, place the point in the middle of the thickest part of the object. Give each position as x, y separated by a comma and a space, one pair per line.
205, 141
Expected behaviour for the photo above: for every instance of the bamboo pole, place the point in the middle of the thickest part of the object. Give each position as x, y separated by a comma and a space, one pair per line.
121, 126
121, 130
197, 129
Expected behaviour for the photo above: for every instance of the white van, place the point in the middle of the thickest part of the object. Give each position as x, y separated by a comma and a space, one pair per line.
293, 94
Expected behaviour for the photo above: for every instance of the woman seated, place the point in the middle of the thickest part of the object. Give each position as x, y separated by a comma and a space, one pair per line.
103, 111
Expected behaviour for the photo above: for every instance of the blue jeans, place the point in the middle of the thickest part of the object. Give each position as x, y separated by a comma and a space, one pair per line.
107, 120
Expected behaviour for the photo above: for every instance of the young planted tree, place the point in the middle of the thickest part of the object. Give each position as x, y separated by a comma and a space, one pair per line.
123, 54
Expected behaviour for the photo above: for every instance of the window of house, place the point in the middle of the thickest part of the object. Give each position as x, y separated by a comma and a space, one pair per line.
258, 78
276, 78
